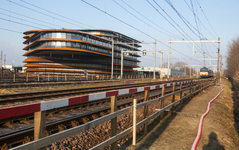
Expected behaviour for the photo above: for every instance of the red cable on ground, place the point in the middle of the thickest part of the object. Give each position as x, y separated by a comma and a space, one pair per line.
195, 143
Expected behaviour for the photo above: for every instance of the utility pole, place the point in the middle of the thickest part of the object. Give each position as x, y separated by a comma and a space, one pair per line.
154, 57
5, 61
218, 60
190, 67
197, 67
221, 69
112, 63
1, 60
127, 52
161, 64
168, 58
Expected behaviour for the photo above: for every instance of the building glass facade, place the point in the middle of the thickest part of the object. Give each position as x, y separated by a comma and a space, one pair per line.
73, 51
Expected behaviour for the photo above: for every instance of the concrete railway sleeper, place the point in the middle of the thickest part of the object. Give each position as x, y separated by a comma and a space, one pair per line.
72, 121
91, 124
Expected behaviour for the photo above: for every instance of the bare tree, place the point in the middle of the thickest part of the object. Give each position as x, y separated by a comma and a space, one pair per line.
232, 58
179, 65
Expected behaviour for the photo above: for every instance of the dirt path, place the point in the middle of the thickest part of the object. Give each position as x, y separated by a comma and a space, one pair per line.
179, 131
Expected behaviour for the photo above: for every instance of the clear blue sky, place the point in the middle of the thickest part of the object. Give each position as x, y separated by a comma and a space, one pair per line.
221, 14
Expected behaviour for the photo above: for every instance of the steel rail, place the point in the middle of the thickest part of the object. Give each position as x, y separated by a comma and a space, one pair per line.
11, 98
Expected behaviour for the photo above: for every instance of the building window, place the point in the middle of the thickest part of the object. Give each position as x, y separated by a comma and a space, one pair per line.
68, 44
77, 45
68, 35
53, 35
77, 36
73, 36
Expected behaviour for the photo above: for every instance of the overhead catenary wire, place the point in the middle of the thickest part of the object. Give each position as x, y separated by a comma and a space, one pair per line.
57, 14
187, 22
171, 22
24, 20
207, 18
45, 14
170, 19
11, 30
173, 35
54, 25
131, 26
20, 23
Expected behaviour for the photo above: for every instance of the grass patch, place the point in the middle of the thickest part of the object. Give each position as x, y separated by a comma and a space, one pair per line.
229, 84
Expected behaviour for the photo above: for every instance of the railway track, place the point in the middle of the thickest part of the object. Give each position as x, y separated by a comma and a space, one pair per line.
44, 84
19, 99
76, 115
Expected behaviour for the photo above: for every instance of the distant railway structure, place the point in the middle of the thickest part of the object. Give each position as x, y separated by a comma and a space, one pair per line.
67, 51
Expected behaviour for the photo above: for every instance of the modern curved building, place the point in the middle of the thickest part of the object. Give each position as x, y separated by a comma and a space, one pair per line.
52, 51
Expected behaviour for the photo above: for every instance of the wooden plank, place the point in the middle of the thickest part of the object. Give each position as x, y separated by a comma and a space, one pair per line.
114, 121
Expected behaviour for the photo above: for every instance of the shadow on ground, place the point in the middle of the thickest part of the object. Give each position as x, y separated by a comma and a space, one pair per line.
213, 143
160, 129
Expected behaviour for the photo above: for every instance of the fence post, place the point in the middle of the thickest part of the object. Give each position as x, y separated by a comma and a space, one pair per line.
39, 124
191, 90
146, 98
181, 93
113, 121
48, 77
14, 76
27, 77
134, 122
162, 101
173, 99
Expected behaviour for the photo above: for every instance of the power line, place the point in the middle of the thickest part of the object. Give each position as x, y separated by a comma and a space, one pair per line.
199, 20
20, 23
28, 17
139, 18
150, 20
130, 26
44, 13
11, 30
172, 20
206, 18
22, 19
56, 14
168, 20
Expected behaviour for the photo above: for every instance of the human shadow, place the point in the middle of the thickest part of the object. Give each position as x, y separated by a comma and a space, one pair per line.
213, 143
